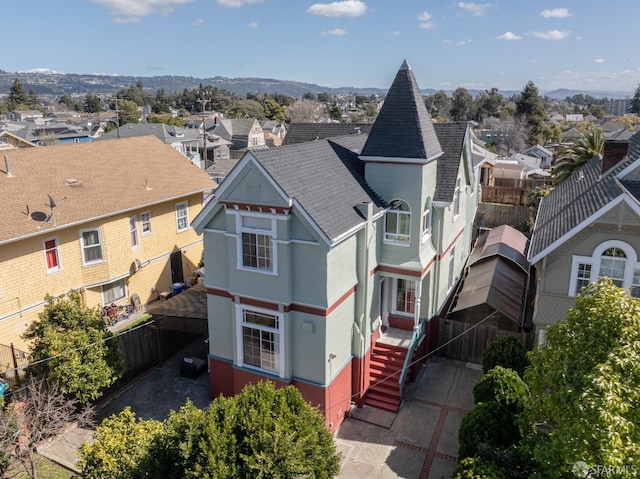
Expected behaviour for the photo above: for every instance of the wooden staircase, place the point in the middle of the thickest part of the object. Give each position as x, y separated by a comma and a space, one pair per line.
386, 366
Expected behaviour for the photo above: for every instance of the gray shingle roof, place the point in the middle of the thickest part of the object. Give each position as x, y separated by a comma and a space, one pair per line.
573, 201
451, 137
326, 178
404, 128
300, 132
167, 133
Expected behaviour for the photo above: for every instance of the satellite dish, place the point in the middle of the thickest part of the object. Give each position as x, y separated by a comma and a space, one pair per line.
52, 203
138, 263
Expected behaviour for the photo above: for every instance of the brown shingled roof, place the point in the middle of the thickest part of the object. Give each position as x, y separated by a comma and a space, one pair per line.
91, 180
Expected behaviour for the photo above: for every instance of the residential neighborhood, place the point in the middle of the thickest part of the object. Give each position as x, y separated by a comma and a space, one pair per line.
363, 266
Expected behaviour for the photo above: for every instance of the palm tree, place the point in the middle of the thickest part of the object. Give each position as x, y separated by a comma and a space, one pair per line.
573, 157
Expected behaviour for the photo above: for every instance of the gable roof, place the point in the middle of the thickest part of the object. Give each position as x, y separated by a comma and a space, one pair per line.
566, 209
300, 132
167, 133
451, 137
403, 128
112, 177
238, 126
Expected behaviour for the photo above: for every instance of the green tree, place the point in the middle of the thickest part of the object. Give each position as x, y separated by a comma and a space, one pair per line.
310, 96
70, 346
489, 104
121, 448
263, 432
551, 132
247, 109
273, 110
166, 118
635, 102
530, 106
92, 103
477, 468
128, 112
335, 112
18, 97
438, 104
573, 157
585, 383
68, 101
34, 100
507, 352
461, 105
504, 386
487, 424
324, 97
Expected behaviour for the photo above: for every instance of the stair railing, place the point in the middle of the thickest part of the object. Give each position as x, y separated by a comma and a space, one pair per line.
417, 335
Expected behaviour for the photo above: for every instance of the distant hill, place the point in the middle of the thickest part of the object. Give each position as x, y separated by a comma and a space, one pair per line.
57, 84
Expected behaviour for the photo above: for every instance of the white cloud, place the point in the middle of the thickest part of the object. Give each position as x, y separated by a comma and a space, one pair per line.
44, 71
553, 34
254, 25
347, 8
132, 11
476, 8
599, 60
453, 42
338, 32
236, 3
395, 33
509, 36
555, 13
198, 23
425, 20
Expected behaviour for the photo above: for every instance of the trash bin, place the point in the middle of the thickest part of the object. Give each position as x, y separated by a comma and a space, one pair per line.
177, 288
192, 367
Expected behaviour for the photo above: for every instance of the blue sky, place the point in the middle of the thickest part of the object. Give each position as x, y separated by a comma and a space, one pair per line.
582, 44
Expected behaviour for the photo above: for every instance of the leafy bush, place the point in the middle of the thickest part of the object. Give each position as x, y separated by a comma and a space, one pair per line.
503, 386
477, 468
508, 352
487, 423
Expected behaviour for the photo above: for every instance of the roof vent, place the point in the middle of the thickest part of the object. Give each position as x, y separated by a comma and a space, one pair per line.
73, 182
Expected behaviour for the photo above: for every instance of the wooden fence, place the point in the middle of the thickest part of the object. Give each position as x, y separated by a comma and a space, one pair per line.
492, 215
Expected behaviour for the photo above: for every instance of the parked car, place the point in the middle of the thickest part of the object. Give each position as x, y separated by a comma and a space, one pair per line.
5, 391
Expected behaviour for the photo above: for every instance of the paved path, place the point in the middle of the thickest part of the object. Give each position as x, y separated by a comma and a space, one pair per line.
421, 440
418, 442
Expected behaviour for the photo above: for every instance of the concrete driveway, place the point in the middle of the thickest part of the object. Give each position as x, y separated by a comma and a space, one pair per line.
418, 442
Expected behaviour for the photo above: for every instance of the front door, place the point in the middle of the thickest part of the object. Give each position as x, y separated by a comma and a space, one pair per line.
177, 275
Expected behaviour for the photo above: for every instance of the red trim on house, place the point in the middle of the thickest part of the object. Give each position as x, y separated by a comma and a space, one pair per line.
334, 400
281, 210
450, 245
324, 312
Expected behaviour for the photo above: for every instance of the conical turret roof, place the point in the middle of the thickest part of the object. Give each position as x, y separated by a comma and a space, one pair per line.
404, 128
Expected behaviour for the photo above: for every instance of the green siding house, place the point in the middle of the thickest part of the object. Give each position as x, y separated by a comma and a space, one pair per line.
326, 260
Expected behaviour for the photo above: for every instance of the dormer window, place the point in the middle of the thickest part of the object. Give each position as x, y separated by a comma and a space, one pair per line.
398, 223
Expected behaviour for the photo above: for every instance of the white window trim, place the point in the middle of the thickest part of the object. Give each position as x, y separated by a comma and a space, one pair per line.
457, 193
126, 291
594, 260
133, 227
394, 299
427, 220
451, 270
142, 222
57, 249
240, 309
274, 247
177, 206
397, 212
90, 263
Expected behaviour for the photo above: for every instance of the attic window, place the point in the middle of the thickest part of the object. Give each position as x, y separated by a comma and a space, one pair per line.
73, 182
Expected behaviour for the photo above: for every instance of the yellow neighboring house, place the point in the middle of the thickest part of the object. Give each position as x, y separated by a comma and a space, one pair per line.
110, 218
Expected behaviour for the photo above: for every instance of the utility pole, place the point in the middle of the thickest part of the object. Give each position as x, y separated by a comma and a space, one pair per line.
117, 117
204, 102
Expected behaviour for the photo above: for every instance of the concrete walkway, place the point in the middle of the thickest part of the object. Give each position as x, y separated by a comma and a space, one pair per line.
421, 440
418, 442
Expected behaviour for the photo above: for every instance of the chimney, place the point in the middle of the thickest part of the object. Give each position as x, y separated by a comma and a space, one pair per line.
614, 151
6, 167
365, 209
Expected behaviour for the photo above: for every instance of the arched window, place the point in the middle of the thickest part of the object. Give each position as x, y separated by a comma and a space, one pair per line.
398, 222
613, 259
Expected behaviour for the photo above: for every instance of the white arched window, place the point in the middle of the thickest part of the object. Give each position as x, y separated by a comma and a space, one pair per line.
397, 228
613, 259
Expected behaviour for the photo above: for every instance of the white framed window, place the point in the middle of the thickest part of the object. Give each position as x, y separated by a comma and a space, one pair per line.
145, 221
91, 242
397, 226
256, 248
182, 216
456, 199
452, 266
260, 339
133, 232
613, 259
405, 296
52, 255
426, 219
114, 292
